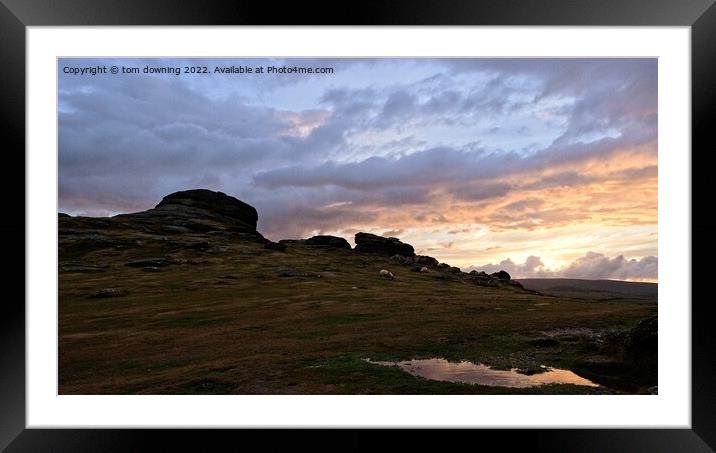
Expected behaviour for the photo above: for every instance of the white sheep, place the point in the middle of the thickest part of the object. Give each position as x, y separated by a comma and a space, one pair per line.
424, 269
387, 274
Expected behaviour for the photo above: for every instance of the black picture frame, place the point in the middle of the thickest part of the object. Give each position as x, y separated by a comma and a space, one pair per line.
16, 15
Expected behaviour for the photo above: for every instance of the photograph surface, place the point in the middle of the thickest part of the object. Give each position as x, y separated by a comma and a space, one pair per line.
357, 226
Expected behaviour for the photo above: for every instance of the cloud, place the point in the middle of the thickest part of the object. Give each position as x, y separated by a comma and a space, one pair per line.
594, 266
468, 174
443, 149
532, 267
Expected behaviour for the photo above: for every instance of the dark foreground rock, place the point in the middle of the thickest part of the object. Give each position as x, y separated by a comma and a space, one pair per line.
371, 243
331, 242
631, 353
641, 343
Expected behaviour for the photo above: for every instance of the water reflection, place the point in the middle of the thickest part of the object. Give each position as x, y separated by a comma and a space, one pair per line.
471, 373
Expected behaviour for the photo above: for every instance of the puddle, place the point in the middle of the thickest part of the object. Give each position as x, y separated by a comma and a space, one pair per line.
471, 373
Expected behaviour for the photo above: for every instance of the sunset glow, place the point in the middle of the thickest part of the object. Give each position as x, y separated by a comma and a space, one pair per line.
544, 168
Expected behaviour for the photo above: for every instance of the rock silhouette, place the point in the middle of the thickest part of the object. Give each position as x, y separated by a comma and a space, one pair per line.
501, 275
201, 220
182, 220
331, 242
203, 202
371, 243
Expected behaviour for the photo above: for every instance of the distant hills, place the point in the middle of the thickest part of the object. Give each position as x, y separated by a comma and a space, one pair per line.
593, 289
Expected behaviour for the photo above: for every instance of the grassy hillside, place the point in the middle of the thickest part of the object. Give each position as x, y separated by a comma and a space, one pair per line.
188, 298
238, 318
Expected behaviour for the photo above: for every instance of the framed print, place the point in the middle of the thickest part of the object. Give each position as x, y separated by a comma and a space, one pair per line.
409, 216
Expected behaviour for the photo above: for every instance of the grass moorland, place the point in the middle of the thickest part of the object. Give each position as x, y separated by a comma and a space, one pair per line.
232, 317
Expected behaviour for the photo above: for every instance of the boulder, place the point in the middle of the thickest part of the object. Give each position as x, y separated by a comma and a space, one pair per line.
150, 262
501, 275
488, 281
641, 343
331, 242
198, 211
81, 268
403, 259
105, 293
371, 243
426, 261
217, 203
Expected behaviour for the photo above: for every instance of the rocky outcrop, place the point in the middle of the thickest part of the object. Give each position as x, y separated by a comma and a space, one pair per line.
485, 280
331, 242
501, 275
198, 211
417, 260
500, 278
178, 222
214, 204
371, 243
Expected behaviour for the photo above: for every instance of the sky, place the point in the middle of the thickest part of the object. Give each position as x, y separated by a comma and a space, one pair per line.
540, 167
